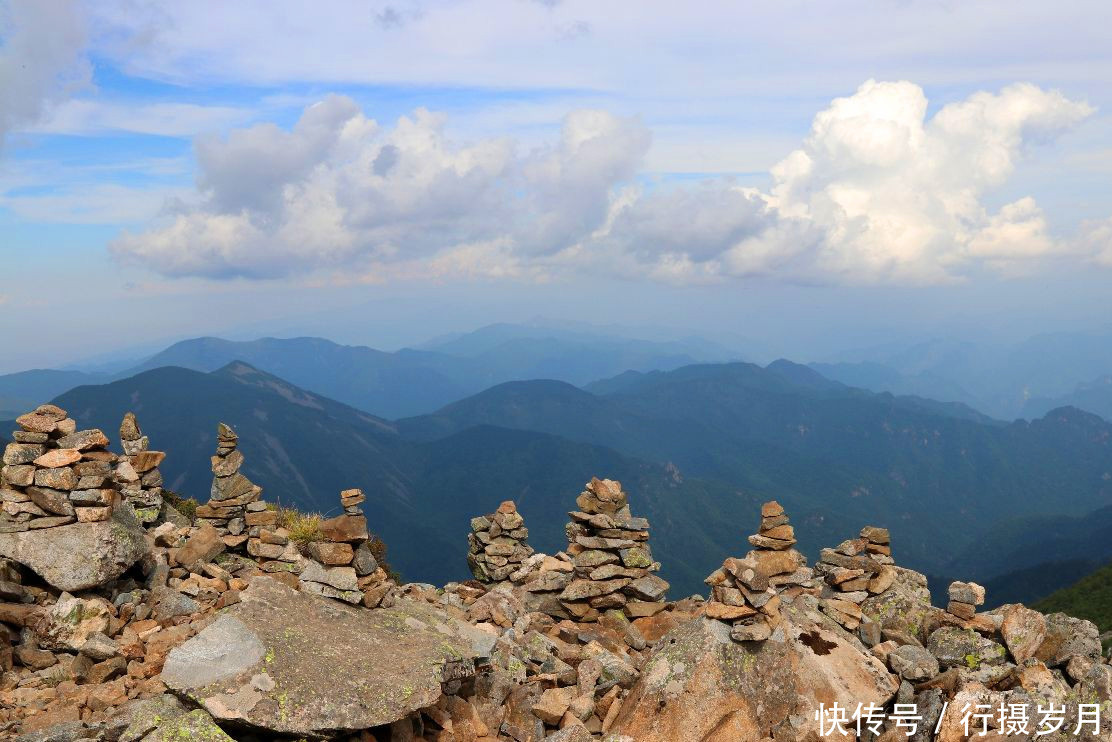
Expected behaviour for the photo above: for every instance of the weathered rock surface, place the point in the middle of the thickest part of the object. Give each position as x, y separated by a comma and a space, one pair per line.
287, 662
701, 685
79, 556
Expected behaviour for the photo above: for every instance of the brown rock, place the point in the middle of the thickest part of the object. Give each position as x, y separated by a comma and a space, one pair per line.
552, 704
962, 610
93, 514
50, 500
35, 423
83, 440
1023, 630
724, 612
202, 546
146, 460
693, 688
57, 458
771, 509
62, 478
16, 454
19, 476
332, 554
345, 528
784, 533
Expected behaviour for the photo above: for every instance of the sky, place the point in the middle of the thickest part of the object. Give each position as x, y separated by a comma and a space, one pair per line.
804, 177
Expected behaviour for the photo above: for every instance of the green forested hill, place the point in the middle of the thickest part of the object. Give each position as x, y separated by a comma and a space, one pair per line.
1090, 597
942, 480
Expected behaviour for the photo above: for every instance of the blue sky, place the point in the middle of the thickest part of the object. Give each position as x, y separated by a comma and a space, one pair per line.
864, 170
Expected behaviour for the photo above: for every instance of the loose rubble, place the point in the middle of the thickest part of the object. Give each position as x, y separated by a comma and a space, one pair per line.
244, 624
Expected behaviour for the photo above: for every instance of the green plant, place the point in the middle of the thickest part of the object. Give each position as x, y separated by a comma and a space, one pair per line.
303, 528
187, 506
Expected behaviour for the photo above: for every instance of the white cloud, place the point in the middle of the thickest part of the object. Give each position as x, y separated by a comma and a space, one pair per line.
92, 203
1096, 240
878, 192
41, 58
91, 117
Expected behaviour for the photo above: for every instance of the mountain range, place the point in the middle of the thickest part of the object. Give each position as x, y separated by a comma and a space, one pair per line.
1025, 379
400, 383
698, 447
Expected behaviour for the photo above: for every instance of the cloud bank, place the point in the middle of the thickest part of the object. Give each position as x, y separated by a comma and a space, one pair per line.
878, 192
41, 58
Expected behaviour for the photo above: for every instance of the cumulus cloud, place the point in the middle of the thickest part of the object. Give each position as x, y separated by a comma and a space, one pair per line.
41, 58
877, 192
339, 191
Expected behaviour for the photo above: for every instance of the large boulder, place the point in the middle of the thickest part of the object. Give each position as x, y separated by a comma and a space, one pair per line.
699, 684
291, 663
905, 607
79, 556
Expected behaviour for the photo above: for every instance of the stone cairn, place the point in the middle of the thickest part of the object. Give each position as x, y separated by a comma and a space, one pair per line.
266, 541
854, 570
137, 471
54, 474
342, 565
231, 492
497, 545
613, 564
965, 598
745, 593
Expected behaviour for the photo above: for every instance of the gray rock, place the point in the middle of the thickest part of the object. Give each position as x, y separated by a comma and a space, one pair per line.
329, 668
913, 663
67, 731
146, 715
698, 684
364, 561
1068, 637
169, 603
341, 578
79, 556
224, 649
99, 647
956, 647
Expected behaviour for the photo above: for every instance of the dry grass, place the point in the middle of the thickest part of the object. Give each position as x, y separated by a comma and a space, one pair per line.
187, 506
304, 528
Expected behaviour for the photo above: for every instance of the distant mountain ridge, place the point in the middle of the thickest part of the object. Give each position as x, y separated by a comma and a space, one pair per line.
835, 454
999, 380
394, 384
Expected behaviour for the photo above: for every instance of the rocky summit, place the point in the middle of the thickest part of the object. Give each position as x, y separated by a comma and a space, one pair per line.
125, 620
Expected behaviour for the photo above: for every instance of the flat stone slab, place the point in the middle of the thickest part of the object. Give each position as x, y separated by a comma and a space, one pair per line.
79, 556
293, 663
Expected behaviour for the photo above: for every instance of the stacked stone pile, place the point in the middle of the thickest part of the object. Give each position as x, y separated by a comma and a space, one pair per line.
137, 473
746, 593
610, 550
267, 541
342, 564
853, 571
965, 598
497, 544
231, 491
54, 474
